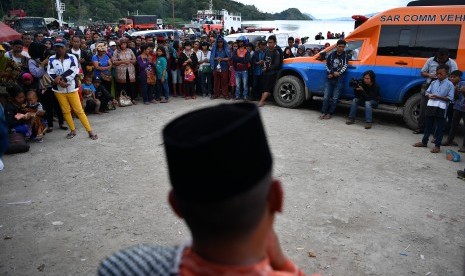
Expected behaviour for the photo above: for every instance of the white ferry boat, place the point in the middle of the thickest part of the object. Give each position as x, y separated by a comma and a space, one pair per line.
215, 19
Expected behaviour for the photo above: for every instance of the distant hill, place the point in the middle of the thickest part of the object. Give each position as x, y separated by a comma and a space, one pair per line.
291, 14
310, 16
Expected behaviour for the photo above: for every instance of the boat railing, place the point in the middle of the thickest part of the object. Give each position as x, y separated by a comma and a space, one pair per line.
225, 12
208, 12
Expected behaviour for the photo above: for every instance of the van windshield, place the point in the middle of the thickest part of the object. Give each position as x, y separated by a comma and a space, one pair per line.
31, 23
352, 49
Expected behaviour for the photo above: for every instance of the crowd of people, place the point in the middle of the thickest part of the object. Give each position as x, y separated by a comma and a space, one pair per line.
93, 72
77, 73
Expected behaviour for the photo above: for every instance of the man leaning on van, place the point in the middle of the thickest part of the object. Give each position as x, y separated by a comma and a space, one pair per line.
429, 72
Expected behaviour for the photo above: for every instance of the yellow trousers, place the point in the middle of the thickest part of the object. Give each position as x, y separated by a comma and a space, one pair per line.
70, 101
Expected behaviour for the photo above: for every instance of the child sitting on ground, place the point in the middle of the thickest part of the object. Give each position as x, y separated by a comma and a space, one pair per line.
189, 82
89, 102
34, 111
107, 102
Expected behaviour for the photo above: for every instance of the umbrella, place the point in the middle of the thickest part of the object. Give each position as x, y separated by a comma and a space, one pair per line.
7, 33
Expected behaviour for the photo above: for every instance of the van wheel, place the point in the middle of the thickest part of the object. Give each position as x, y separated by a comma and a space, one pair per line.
289, 92
411, 112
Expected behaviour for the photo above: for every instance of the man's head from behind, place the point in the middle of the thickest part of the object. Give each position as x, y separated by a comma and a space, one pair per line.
219, 204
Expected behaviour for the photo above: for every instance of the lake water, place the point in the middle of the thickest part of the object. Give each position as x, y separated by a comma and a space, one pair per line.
305, 27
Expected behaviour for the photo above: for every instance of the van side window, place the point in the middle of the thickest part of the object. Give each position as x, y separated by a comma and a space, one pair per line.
396, 40
432, 37
353, 49
418, 40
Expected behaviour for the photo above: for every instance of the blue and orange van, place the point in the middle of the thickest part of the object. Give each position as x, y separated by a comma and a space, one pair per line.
395, 44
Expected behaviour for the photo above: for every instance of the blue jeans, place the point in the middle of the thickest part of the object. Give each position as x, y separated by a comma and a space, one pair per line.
163, 86
369, 105
206, 83
147, 90
430, 123
333, 89
241, 79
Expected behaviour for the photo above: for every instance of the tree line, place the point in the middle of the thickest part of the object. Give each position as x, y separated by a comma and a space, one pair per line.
86, 11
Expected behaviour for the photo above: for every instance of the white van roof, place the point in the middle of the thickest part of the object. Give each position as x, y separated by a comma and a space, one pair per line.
147, 32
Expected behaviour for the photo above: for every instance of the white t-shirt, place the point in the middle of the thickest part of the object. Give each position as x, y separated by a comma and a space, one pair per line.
201, 56
78, 53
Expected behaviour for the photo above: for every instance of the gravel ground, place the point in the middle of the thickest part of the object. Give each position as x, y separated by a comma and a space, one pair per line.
365, 202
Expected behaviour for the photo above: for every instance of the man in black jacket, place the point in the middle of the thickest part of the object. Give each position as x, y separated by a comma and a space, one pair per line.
272, 65
366, 94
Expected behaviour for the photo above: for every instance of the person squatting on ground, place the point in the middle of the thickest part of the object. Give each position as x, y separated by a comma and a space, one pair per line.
368, 95
90, 103
439, 93
230, 218
62, 69
336, 65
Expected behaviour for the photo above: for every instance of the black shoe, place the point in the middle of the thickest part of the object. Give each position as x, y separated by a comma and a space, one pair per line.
418, 131
461, 174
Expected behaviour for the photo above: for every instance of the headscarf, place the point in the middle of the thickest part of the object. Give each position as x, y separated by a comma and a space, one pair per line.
102, 47
3, 59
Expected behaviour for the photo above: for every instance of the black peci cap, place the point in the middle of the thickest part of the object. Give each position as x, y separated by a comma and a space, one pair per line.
218, 138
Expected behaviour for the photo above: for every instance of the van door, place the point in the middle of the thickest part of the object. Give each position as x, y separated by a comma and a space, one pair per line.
394, 60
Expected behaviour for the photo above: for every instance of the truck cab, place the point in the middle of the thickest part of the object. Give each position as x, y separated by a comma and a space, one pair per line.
395, 44
29, 25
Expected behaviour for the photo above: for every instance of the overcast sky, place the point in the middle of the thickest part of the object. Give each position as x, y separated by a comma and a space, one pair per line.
324, 9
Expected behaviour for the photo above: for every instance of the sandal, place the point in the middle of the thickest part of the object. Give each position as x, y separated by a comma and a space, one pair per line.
327, 116
49, 129
70, 135
461, 149
419, 145
93, 136
322, 116
435, 150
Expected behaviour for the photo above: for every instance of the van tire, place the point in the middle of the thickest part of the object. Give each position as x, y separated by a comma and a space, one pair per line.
411, 113
289, 92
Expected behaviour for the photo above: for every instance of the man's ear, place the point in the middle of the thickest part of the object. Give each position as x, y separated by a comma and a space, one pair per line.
276, 196
174, 204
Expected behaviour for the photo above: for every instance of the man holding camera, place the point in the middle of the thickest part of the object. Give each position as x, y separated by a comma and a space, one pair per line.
367, 94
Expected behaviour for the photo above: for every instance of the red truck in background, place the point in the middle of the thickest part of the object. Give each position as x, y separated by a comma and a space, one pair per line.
139, 22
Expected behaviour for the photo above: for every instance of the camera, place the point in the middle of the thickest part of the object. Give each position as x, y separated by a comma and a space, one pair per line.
354, 83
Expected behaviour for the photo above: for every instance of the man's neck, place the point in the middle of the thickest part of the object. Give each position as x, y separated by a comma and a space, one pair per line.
76, 49
243, 252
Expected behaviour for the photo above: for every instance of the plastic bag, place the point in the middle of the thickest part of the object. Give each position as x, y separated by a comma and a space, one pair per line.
452, 156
